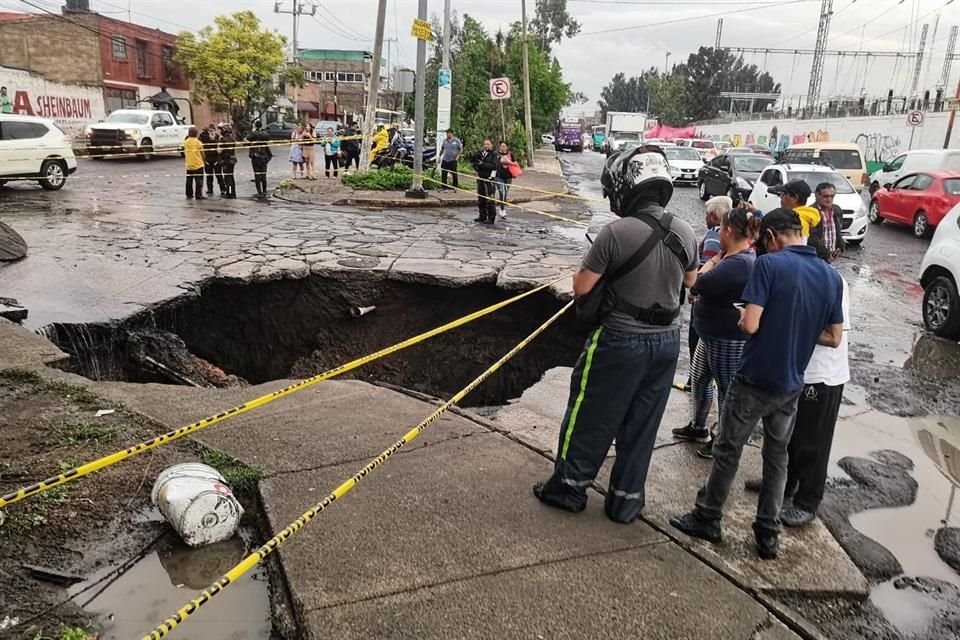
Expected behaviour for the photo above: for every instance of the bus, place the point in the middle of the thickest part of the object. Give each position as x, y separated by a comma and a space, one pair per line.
568, 134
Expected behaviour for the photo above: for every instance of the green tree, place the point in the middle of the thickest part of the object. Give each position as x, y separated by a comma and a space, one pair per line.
625, 94
668, 98
711, 71
237, 66
552, 23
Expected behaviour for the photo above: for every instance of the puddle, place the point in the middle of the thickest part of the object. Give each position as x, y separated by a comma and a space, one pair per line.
933, 444
131, 604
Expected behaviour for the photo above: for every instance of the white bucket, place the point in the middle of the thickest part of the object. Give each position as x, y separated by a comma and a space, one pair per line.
198, 503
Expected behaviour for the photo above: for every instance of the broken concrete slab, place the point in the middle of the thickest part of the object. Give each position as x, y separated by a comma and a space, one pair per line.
638, 593
452, 510
12, 244
20, 347
12, 311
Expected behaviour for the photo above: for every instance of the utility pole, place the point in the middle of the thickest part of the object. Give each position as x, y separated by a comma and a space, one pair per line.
948, 59
916, 70
953, 117
373, 90
719, 33
296, 11
416, 190
816, 71
527, 115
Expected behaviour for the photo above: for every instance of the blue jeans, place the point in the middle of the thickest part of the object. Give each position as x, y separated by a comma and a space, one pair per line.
618, 390
503, 188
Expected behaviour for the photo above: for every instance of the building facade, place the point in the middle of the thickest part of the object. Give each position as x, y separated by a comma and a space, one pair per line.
337, 82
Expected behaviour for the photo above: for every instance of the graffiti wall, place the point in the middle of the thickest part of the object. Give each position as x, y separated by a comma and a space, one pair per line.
881, 138
71, 107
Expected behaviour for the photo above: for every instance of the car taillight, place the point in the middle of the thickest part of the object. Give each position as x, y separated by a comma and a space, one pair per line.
864, 178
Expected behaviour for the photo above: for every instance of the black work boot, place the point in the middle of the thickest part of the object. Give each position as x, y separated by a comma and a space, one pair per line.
547, 499
697, 527
692, 433
768, 542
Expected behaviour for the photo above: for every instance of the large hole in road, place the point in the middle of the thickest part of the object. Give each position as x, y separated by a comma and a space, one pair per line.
298, 328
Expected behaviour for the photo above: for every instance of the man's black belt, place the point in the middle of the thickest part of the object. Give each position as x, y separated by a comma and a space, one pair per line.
655, 315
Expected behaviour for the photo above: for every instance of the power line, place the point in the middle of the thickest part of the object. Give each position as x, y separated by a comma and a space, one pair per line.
346, 28
145, 15
334, 32
871, 21
693, 18
910, 24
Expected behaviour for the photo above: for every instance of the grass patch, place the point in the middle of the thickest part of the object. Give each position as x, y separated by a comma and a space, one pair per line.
83, 433
67, 633
28, 515
21, 376
78, 394
241, 477
289, 185
396, 178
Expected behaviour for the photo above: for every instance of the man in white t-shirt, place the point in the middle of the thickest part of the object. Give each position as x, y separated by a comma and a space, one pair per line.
817, 411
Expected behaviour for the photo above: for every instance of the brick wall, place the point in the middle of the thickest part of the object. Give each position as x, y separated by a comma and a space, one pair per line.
62, 51
140, 57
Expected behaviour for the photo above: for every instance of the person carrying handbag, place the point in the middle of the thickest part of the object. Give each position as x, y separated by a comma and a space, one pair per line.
506, 172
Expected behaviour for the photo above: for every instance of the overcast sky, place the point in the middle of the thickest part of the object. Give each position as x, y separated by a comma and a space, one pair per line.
592, 58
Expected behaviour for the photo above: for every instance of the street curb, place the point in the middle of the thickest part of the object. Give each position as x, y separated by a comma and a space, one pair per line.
404, 203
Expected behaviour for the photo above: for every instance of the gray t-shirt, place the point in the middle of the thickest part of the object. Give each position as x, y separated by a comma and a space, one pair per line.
450, 149
658, 279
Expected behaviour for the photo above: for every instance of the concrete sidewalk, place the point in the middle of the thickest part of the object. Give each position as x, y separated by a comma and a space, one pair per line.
445, 540
545, 182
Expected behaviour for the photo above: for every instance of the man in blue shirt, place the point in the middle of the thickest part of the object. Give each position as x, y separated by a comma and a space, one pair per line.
794, 301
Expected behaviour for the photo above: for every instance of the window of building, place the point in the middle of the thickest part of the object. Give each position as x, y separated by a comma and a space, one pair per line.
119, 99
329, 76
119, 48
143, 66
343, 76
169, 69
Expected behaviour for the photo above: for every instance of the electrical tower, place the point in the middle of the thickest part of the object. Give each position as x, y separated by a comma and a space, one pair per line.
948, 60
816, 71
916, 70
719, 33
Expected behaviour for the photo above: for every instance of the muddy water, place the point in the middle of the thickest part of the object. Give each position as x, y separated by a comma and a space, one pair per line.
170, 576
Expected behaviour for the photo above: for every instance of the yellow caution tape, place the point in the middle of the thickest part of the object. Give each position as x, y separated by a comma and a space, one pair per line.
516, 206
119, 456
572, 196
271, 545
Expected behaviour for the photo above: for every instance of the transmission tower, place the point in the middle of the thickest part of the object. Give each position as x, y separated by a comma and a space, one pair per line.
816, 72
916, 69
719, 33
948, 60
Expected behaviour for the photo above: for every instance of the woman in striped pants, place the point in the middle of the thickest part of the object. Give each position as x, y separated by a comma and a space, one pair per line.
719, 285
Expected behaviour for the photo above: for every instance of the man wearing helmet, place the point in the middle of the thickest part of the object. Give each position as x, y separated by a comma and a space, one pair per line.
621, 382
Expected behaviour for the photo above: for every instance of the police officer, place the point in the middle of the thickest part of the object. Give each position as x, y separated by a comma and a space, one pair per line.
228, 160
486, 162
621, 382
211, 157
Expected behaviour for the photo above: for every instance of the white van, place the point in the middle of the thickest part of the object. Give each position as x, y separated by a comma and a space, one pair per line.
34, 149
914, 161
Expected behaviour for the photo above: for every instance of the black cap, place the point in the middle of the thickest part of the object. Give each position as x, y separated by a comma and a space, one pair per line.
797, 188
780, 220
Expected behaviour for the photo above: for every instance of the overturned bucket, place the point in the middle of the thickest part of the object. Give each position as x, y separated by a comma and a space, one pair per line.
198, 503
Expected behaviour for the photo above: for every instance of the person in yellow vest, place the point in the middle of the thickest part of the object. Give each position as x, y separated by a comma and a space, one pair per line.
193, 158
381, 140
794, 195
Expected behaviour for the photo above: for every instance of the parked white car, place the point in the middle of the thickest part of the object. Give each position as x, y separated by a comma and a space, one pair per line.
914, 161
939, 276
546, 138
34, 149
707, 149
137, 131
854, 208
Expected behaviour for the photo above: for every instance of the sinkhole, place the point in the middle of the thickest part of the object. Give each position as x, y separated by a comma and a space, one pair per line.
233, 333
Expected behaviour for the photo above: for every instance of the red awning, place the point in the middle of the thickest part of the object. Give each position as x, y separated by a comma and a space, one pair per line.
308, 107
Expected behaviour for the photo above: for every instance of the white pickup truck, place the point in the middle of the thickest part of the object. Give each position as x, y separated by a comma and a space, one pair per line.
136, 131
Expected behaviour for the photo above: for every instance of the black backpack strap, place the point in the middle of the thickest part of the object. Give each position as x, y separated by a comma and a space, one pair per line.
657, 234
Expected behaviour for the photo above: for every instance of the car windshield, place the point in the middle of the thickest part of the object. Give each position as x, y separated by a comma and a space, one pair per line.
813, 178
951, 186
626, 136
848, 159
702, 144
128, 118
681, 153
751, 163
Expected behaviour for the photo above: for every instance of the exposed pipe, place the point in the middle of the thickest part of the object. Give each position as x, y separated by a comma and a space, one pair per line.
357, 312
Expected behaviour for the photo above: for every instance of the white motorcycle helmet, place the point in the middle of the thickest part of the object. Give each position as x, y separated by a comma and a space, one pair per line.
639, 175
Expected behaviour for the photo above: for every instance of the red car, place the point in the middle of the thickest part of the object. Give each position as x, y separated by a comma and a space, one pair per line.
919, 199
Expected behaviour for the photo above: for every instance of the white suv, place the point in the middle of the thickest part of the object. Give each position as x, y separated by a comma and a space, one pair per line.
34, 149
847, 198
939, 276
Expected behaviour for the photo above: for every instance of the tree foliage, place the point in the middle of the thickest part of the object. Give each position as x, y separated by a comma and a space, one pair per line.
552, 23
475, 58
692, 90
234, 65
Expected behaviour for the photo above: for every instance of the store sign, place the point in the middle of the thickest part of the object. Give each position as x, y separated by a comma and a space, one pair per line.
71, 107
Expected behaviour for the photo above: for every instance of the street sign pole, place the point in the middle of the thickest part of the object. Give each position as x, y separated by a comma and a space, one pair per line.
416, 191
953, 116
914, 119
527, 118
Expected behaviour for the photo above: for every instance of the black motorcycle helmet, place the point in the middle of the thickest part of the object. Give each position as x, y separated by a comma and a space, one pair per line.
636, 176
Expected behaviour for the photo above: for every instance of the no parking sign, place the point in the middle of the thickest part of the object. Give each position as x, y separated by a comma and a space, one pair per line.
499, 88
